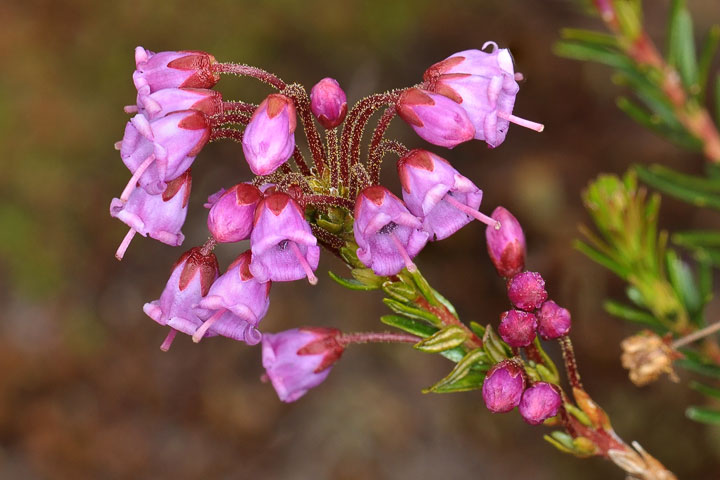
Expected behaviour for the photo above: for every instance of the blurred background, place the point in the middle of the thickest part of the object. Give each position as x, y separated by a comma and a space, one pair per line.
85, 392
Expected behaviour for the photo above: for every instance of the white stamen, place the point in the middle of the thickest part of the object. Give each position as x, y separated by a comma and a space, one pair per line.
168, 340
489, 221
202, 329
411, 267
538, 127
120, 252
303, 263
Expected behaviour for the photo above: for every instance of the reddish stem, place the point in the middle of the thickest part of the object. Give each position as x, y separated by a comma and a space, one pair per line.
301, 162
329, 200
229, 133
375, 155
376, 337
302, 105
231, 117
570, 362
235, 106
248, 71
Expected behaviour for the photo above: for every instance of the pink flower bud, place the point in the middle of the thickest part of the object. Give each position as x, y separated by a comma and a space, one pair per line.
503, 387
190, 280
231, 216
269, 138
554, 321
387, 234
299, 359
526, 291
283, 246
328, 102
174, 69
435, 118
506, 245
540, 402
517, 328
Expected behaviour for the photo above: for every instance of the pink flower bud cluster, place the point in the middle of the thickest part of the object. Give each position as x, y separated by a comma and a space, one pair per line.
504, 389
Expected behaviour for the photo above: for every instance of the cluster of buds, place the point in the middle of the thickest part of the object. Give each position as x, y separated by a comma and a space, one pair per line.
286, 212
507, 385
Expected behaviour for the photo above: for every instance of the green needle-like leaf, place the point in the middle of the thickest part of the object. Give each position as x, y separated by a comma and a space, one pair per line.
351, 283
681, 51
705, 389
442, 340
695, 190
703, 415
707, 54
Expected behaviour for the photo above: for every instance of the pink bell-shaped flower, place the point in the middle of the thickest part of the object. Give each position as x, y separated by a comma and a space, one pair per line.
328, 103
174, 69
162, 102
299, 359
435, 118
237, 301
161, 150
190, 280
269, 138
282, 243
160, 216
387, 234
434, 191
484, 85
231, 215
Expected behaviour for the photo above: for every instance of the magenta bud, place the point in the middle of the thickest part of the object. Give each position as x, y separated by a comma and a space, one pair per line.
435, 118
299, 359
526, 291
328, 102
554, 321
506, 245
517, 328
174, 69
269, 138
231, 216
503, 387
540, 402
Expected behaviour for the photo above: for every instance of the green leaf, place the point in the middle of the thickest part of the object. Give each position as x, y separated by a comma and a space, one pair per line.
457, 379
703, 415
579, 414
695, 363
681, 51
424, 287
629, 18
445, 302
367, 277
494, 346
411, 312
351, 283
601, 258
442, 340
414, 327
707, 54
478, 329
562, 441
705, 389
682, 281
472, 381
590, 37
717, 98
400, 291
638, 114
630, 314
694, 190
587, 52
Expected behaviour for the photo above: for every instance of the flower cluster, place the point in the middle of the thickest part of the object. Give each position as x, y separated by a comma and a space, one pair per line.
506, 385
292, 207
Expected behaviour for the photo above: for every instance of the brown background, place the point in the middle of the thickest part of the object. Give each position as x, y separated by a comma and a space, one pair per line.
86, 393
